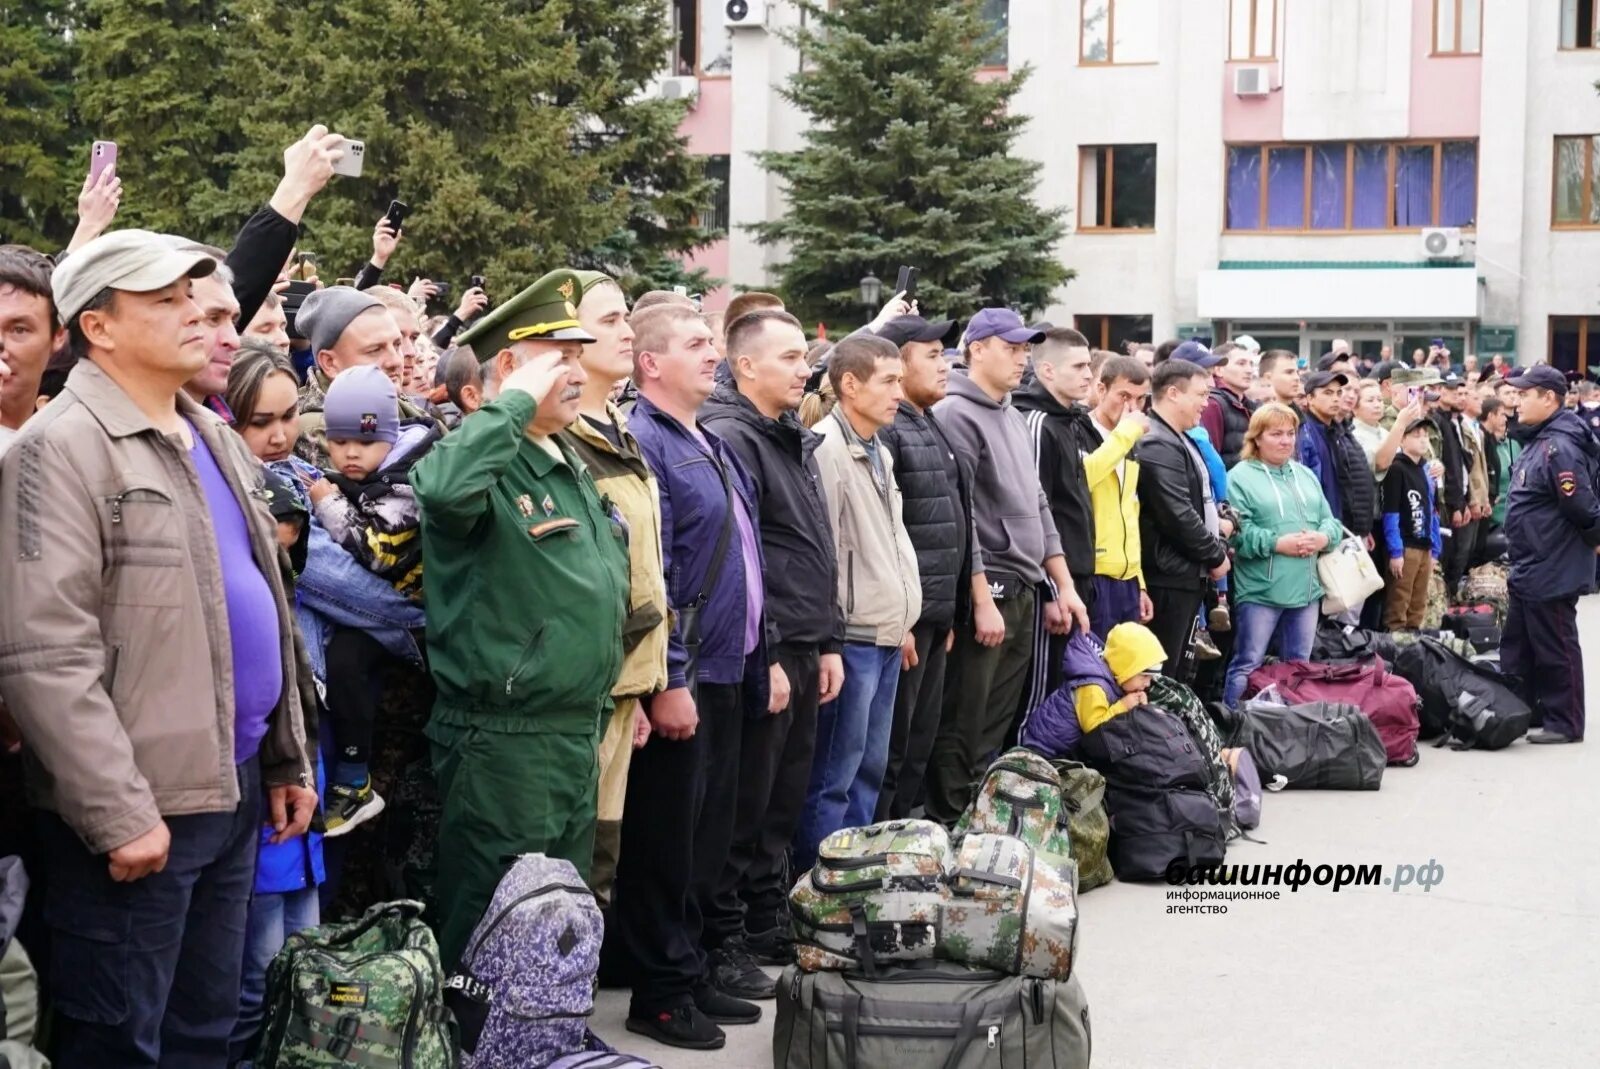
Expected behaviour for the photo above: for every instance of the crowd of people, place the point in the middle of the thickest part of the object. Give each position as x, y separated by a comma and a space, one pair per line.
666, 628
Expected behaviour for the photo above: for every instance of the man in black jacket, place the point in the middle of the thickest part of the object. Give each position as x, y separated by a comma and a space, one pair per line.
1178, 521
805, 632
937, 509
1052, 404
1455, 515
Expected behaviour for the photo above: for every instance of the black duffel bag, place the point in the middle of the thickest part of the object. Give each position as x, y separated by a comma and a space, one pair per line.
1343, 642
1152, 828
1465, 700
1314, 745
1144, 747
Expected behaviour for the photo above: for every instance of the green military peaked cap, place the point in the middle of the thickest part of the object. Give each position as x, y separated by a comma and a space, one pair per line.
545, 310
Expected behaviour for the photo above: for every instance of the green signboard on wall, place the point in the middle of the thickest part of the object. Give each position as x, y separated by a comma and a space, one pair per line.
1501, 340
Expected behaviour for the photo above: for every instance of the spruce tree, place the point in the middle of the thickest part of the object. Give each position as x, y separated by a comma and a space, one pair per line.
519, 131
38, 160
907, 160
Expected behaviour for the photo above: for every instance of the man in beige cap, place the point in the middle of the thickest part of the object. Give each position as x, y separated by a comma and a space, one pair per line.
148, 657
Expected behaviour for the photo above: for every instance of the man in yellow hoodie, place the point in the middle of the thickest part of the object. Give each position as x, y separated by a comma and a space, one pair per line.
1118, 419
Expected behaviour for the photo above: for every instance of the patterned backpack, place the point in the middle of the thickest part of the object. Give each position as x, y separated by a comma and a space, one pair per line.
876, 894
1012, 908
1020, 795
525, 988
1486, 585
1181, 702
366, 992
1083, 795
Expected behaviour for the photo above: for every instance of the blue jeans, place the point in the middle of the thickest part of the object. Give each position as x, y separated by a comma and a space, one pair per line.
146, 974
273, 918
852, 748
1255, 627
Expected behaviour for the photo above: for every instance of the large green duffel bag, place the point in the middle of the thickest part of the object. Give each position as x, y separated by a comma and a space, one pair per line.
929, 1015
875, 894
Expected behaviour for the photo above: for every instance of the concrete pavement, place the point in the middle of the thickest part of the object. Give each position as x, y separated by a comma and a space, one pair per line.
1496, 965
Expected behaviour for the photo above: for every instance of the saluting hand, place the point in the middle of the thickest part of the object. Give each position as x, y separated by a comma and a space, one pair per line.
537, 376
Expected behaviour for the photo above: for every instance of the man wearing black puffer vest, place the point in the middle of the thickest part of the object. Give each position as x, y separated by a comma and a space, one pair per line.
936, 504
1227, 414
746, 921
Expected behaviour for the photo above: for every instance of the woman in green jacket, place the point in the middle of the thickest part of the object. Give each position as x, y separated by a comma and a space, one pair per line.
1284, 524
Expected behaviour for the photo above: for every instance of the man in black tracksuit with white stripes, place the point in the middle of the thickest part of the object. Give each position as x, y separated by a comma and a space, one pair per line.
1053, 406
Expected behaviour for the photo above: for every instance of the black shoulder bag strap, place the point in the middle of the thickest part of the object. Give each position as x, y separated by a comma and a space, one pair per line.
689, 615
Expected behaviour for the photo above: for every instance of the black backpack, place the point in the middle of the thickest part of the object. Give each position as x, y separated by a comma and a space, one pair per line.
1461, 699
1152, 828
1145, 747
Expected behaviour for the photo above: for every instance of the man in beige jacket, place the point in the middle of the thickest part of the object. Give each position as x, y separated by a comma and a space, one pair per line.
878, 589
148, 657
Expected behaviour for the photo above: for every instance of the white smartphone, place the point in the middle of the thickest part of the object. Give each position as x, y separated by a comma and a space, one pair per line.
354, 156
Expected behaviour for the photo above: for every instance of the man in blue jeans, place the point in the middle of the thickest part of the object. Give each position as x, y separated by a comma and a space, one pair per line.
149, 659
878, 590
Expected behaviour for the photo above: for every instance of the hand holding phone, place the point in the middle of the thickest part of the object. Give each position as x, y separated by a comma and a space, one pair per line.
102, 158
396, 215
906, 283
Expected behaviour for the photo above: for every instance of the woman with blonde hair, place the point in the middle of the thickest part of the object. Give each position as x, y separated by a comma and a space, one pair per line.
1284, 524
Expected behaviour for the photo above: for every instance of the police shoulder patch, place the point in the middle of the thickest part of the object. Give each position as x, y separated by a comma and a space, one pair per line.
1567, 483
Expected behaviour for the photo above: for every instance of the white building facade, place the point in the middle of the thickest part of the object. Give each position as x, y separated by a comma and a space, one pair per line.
1386, 171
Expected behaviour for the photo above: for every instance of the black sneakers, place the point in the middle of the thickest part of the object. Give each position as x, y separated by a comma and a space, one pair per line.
723, 1008
734, 972
774, 946
684, 1027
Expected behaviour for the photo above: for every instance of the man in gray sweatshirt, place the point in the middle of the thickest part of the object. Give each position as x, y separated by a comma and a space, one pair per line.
1018, 558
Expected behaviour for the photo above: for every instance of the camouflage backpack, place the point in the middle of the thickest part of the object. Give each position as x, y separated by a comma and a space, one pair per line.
1020, 795
1012, 908
526, 983
875, 894
1183, 703
1486, 585
1083, 795
367, 992
1438, 603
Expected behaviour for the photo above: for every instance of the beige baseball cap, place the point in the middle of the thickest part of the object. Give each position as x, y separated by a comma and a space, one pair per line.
136, 261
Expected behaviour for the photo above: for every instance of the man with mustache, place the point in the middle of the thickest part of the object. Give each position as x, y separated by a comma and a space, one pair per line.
527, 590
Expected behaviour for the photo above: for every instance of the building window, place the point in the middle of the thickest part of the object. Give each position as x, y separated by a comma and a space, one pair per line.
997, 13
1117, 31
702, 45
1114, 332
1577, 182
1574, 343
1457, 27
1580, 28
685, 35
714, 216
1252, 29
1117, 187
1358, 185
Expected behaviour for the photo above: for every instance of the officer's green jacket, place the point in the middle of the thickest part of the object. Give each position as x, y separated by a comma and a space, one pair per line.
527, 578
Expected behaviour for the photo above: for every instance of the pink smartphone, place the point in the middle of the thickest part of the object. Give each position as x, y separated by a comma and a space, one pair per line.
102, 157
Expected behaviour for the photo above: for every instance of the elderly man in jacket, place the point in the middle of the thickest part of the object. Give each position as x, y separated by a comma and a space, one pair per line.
148, 656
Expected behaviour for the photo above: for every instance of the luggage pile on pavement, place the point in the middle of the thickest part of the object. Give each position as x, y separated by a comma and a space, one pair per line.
918, 948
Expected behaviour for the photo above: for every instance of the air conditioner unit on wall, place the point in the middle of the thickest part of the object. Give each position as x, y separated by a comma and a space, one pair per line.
1442, 243
1252, 81
746, 14
680, 87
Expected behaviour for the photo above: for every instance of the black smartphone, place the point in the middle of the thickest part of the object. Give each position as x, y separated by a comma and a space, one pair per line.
443, 290
476, 282
906, 282
293, 296
398, 210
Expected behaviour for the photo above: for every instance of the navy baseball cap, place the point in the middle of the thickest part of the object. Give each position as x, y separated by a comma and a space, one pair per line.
1318, 379
1542, 377
1002, 323
1196, 353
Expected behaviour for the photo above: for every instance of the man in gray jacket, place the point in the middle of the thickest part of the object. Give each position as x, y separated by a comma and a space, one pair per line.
149, 659
1018, 551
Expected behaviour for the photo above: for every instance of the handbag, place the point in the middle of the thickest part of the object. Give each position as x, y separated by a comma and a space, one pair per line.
1348, 575
689, 615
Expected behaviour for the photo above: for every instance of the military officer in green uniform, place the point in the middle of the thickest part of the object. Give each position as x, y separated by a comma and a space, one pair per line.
527, 588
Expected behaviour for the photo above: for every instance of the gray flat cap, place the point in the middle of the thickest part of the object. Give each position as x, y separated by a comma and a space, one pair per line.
136, 261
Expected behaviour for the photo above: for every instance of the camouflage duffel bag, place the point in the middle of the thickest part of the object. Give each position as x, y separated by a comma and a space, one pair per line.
1011, 908
876, 894
1020, 795
368, 992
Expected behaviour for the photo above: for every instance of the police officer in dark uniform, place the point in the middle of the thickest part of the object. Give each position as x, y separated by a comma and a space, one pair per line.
1553, 526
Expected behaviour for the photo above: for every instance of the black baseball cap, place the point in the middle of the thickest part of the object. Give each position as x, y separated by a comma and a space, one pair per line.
904, 329
1382, 371
1452, 380
1318, 379
1541, 377
1327, 360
